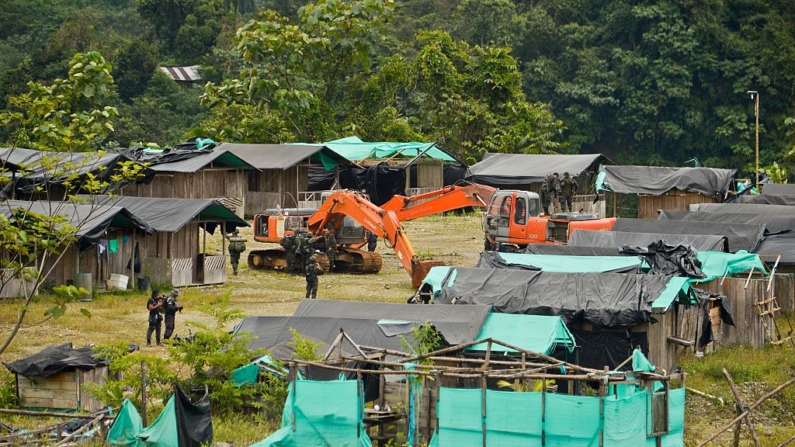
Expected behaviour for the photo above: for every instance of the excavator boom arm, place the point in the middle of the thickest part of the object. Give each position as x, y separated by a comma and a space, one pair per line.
383, 223
446, 199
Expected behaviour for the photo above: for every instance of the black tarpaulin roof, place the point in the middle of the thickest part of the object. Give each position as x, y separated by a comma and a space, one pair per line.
457, 324
170, 215
741, 237
782, 244
44, 167
744, 208
186, 158
270, 332
91, 221
655, 180
517, 169
773, 224
281, 156
766, 199
602, 299
615, 239
778, 189
54, 359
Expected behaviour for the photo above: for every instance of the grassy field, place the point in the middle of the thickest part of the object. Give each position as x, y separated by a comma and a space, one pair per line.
456, 240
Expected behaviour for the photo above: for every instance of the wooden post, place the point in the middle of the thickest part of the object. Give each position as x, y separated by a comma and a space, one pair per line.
143, 393
740, 407
483, 406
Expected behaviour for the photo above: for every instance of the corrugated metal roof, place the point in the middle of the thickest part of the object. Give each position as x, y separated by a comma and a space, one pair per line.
183, 74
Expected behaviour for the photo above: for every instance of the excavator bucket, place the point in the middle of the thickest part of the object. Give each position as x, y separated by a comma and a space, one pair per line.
420, 270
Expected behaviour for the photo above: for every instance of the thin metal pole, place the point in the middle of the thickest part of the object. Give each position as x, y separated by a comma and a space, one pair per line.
756, 113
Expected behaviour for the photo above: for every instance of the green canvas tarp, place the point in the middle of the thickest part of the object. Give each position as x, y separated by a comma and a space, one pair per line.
716, 264
126, 426
355, 149
321, 413
537, 333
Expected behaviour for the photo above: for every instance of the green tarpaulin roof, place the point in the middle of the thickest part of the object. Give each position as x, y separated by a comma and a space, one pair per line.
572, 264
355, 149
715, 264
537, 333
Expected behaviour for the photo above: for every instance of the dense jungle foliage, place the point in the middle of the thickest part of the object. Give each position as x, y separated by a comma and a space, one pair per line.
645, 82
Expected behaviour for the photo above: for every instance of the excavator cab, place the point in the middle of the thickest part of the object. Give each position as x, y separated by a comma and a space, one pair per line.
513, 217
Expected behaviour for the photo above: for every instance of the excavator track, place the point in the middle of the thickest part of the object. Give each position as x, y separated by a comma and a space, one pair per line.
349, 260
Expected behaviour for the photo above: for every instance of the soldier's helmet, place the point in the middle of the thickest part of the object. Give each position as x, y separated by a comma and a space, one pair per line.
313, 258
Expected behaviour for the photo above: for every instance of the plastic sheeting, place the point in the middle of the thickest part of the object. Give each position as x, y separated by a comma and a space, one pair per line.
54, 359
514, 170
457, 324
741, 237
559, 263
186, 158
664, 259
126, 426
601, 299
655, 180
181, 423
571, 250
616, 239
321, 414
744, 208
773, 224
765, 199
778, 189
536, 333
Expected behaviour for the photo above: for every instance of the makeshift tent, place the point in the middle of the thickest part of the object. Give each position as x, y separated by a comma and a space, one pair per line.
181, 423
610, 300
626, 416
560, 263
247, 374
92, 222
457, 324
615, 239
516, 171
327, 413
655, 180
537, 333
171, 215
740, 237
773, 224
126, 426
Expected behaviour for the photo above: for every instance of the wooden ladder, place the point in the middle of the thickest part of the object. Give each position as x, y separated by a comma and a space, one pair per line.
768, 309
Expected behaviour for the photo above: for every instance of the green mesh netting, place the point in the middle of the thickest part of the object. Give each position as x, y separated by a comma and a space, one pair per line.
163, 431
321, 414
515, 419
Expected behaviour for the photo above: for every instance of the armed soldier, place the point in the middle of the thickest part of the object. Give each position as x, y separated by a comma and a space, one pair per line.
546, 195
237, 245
331, 248
289, 246
303, 249
568, 187
312, 272
170, 309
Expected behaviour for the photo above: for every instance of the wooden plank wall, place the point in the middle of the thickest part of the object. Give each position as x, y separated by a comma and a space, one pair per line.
59, 391
97, 375
662, 354
204, 184
396, 396
430, 175
272, 187
672, 200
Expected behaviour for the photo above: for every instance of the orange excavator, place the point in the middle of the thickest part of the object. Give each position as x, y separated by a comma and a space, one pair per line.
275, 224
383, 223
513, 221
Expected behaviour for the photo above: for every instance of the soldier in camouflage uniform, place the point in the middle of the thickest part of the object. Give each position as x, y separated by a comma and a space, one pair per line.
568, 187
312, 272
288, 244
331, 248
237, 245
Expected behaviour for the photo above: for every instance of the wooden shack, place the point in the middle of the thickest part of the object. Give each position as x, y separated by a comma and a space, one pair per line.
659, 188
55, 378
209, 174
282, 172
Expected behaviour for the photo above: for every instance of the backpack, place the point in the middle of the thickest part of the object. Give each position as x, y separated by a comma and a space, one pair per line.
238, 246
